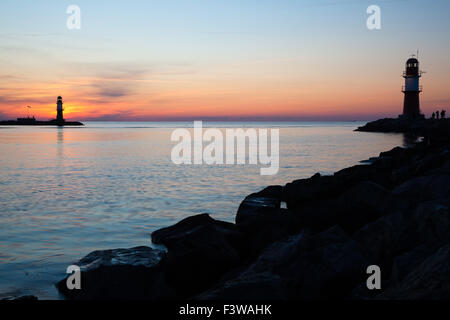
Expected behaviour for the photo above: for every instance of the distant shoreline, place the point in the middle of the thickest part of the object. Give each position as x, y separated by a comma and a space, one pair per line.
39, 123
421, 126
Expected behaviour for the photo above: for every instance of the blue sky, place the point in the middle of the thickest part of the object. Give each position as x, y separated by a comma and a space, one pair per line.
218, 57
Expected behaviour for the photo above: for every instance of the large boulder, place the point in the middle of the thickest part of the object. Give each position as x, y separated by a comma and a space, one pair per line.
358, 205
429, 280
200, 251
274, 192
379, 172
311, 191
266, 200
397, 241
305, 266
383, 239
262, 220
430, 222
425, 188
172, 235
365, 202
443, 169
253, 207
329, 265
406, 262
119, 274
429, 162
259, 280
396, 153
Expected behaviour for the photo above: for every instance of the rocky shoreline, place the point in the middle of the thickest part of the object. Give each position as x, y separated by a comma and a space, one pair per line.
420, 127
310, 239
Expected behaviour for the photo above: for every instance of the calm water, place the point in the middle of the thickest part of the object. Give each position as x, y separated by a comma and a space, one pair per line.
65, 192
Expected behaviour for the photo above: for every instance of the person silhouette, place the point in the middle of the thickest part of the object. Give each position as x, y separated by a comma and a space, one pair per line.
433, 116
443, 114
437, 114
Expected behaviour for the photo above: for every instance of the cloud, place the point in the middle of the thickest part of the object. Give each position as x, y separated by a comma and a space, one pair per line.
4, 116
106, 81
104, 89
119, 115
12, 100
116, 83
114, 80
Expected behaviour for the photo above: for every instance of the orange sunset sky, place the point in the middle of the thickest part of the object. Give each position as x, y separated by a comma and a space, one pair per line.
224, 60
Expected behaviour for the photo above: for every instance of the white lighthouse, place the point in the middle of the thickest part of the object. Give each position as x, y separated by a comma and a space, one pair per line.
412, 89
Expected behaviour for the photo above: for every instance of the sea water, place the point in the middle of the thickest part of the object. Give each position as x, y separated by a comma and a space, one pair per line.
65, 192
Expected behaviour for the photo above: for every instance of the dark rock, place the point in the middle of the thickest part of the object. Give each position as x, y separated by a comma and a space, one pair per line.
318, 217
425, 188
311, 191
326, 265
362, 203
273, 192
419, 127
379, 173
249, 286
429, 280
328, 268
253, 207
259, 280
405, 263
382, 238
172, 235
266, 200
427, 163
138, 256
262, 220
119, 274
267, 228
365, 202
200, 251
413, 233
430, 223
444, 169
397, 152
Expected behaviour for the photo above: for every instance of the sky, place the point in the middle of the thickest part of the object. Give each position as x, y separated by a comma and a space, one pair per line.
220, 60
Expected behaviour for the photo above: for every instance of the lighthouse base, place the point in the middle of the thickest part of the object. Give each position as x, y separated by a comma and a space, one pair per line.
411, 117
411, 105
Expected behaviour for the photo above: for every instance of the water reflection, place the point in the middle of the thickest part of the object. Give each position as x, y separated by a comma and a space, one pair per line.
60, 142
67, 192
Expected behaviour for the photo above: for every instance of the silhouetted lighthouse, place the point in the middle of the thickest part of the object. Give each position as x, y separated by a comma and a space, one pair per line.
59, 110
412, 89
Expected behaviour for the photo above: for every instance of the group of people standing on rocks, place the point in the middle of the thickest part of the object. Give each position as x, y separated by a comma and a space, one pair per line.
435, 115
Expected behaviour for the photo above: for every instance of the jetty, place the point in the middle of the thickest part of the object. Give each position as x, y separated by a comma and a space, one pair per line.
31, 121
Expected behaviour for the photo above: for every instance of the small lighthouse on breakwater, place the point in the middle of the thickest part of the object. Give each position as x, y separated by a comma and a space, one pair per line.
412, 89
59, 121
59, 110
